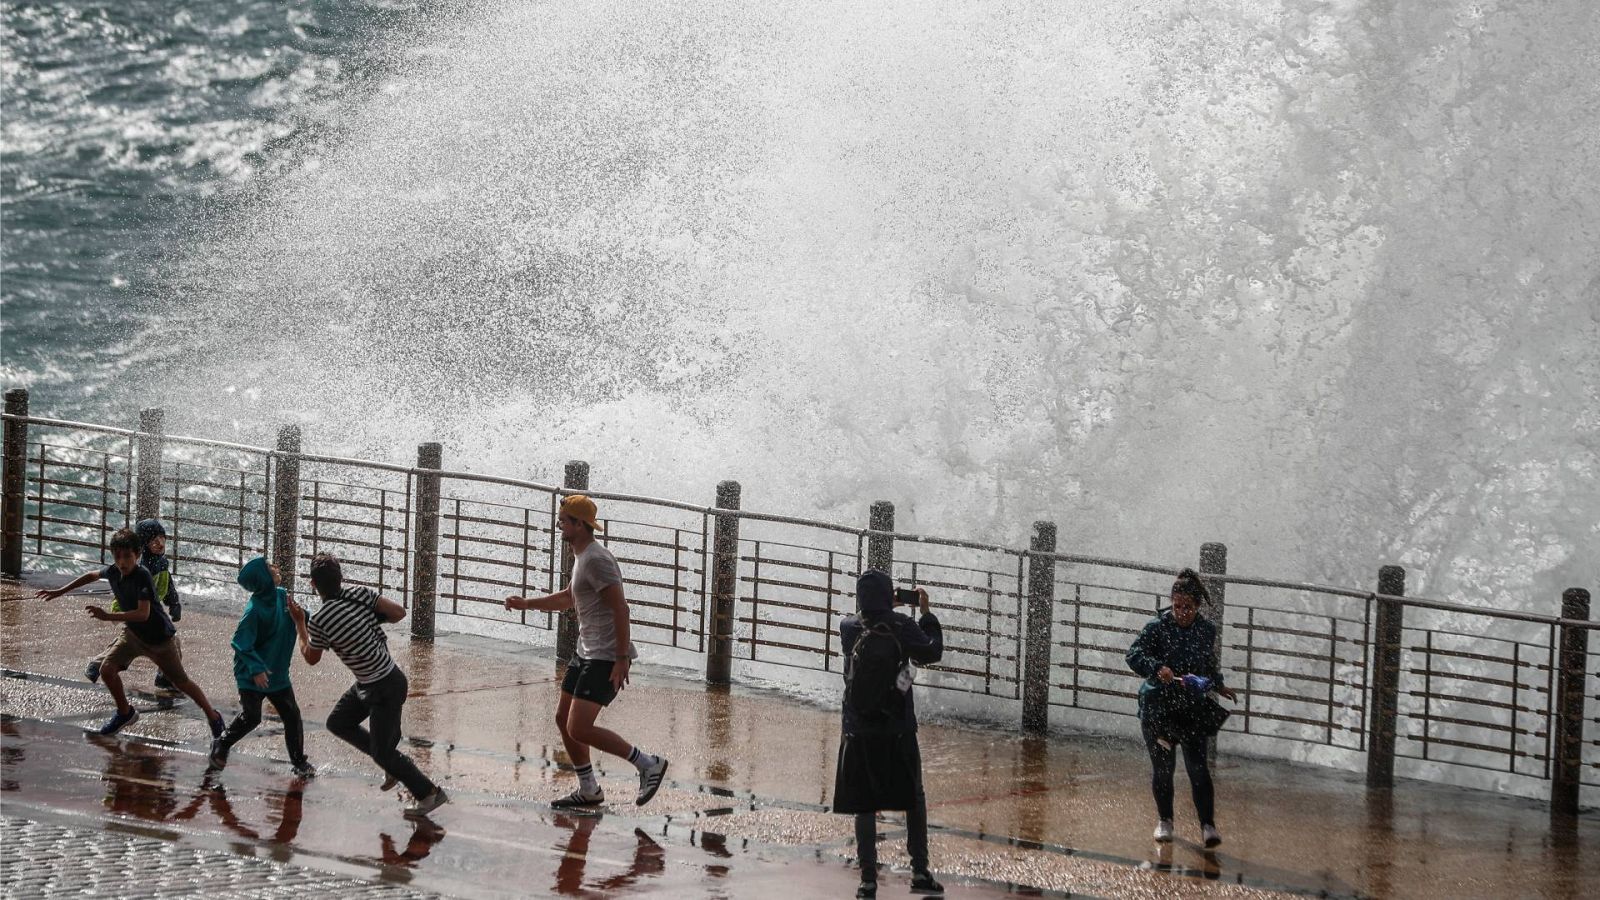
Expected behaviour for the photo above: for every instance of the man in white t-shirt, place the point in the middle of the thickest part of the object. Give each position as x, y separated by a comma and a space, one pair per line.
605, 652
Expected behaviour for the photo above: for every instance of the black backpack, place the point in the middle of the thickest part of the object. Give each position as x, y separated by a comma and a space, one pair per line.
875, 663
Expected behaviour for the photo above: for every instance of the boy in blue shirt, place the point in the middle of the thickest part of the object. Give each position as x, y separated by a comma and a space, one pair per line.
146, 631
262, 645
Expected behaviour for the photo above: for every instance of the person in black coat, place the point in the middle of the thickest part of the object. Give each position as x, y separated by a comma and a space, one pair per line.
880, 764
1176, 643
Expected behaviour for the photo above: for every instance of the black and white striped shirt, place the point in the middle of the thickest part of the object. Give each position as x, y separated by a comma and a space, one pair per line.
348, 625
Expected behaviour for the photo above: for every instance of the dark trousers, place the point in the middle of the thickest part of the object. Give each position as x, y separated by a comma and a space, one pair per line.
382, 701
1162, 764
294, 730
916, 832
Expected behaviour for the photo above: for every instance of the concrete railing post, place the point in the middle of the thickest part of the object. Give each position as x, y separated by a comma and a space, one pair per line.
880, 547
425, 543
147, 499
15, 492
1385, 704
1214, 561
286, 505
577, 480
724, 586
1040, 621
1567, 766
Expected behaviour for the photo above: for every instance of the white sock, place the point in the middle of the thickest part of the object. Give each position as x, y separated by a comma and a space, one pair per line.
640, 759
587, 783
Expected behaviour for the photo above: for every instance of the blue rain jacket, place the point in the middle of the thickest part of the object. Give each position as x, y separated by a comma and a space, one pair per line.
264, 639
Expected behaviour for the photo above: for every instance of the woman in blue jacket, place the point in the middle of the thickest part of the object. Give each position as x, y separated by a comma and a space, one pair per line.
1176, 643
263, 642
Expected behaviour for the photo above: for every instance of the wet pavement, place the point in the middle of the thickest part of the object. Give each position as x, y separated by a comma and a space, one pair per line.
744, 812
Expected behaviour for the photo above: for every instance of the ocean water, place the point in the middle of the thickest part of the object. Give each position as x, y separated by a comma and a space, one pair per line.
125, 125
1313, 279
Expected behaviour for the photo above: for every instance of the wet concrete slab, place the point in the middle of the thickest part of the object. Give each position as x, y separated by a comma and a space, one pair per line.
752, 775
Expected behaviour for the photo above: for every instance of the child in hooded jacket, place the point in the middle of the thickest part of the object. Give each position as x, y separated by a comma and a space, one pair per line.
262, 645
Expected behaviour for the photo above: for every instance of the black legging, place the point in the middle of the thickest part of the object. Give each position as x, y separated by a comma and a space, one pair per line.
1162, 764
294, 732
916, 826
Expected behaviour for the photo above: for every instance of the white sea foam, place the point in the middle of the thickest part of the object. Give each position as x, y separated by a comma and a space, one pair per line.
1315, 280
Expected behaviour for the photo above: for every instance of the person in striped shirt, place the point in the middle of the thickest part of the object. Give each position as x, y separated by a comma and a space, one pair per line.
348, 624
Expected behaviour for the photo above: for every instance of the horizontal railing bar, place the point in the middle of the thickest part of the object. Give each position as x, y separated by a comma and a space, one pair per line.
1298, 720
35, 462
1468, 745
784, 604
1298, 676
1293, 654
396, 523
1464, 701
320, 500
792, 585
1298, 632
1491, 726
456, 537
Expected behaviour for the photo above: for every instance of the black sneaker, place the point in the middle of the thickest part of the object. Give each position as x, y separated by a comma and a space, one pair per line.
92, 671
867, 889
650, 781
120, 721
578, 800
219, 755
303, 769
163, 683
922, 883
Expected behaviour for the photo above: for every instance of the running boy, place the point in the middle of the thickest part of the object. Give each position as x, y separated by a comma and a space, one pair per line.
146, 631
347, 624
262, 645
153, 557
600, 669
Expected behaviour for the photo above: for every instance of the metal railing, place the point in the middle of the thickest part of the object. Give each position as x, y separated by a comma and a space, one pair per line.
1473, 689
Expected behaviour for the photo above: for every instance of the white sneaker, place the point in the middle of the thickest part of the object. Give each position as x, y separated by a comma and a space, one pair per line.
1163, 832
428, 804
1210, 835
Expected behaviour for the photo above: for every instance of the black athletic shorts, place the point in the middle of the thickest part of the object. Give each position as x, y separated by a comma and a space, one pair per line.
590, 679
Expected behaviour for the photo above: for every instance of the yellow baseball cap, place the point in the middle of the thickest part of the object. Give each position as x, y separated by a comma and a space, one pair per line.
581, 508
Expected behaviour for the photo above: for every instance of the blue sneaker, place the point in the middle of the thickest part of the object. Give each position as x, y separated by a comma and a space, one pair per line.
217, 724
92, 671
120, 721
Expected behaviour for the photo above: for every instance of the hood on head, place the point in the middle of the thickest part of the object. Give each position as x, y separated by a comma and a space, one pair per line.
148, 530
256, 578
874, 592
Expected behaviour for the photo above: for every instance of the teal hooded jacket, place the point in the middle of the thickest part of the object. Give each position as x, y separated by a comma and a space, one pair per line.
264, 639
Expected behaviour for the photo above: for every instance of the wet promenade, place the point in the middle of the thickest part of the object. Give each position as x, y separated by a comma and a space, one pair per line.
743, 815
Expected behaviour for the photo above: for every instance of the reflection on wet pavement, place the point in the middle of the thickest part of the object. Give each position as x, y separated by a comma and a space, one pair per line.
745, 813
485, 848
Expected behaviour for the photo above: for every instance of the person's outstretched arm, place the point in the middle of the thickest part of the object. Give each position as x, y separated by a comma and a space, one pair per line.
556, 602
69, 587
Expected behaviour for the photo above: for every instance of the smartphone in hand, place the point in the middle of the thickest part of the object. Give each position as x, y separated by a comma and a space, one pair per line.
906, 597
